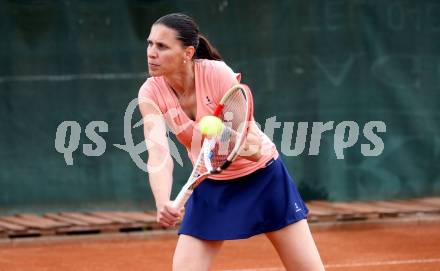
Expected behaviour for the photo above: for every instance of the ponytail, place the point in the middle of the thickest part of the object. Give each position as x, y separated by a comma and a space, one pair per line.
206, 51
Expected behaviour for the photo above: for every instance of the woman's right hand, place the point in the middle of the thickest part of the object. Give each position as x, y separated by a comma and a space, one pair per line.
168, 216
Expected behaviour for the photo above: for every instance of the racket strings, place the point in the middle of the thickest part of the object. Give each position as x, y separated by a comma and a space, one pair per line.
234, 116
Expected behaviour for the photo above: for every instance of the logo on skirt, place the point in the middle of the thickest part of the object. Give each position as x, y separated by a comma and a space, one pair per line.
297, 209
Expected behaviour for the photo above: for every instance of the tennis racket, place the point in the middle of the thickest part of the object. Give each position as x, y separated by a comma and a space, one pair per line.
235, 110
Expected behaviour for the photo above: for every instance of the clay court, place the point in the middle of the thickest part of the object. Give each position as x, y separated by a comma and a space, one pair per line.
399, 241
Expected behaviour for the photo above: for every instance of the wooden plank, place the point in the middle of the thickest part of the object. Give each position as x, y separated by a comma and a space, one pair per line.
353, 207
125, 224
93, 220
373, 207
74, 225
151, 213
433, 199
400, 208
24, 222
67, 220
95, 223
418, 206
343, 213
113, 216
319, 214
43, 222
430, 201
369, 209
317, 209
332, 207
11, 226
137, 216
148, 220
359, 210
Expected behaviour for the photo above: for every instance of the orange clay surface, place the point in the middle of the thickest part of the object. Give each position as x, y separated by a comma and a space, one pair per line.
380, 247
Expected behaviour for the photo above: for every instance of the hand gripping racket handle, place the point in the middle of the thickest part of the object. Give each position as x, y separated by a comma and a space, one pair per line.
182, 198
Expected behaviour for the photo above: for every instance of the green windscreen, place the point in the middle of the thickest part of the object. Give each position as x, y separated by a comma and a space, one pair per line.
349, 91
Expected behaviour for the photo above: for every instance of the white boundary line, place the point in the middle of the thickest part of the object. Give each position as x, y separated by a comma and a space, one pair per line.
354, 264
380, 263
71, 77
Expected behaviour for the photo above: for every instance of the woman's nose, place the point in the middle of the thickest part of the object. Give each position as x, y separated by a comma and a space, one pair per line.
151, 53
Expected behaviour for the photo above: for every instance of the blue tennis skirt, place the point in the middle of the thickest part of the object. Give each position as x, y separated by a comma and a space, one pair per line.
263, 201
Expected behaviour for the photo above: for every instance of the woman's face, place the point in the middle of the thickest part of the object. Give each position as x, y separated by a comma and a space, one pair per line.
165, 52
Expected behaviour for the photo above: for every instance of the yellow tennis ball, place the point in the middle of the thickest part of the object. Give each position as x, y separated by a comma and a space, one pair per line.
211, 126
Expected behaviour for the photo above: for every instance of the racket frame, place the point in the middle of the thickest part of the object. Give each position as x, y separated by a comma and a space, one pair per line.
194, 180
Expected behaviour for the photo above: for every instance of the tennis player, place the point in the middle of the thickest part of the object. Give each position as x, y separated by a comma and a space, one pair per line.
254, 195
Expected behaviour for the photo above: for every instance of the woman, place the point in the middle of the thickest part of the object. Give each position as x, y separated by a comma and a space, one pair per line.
254, 195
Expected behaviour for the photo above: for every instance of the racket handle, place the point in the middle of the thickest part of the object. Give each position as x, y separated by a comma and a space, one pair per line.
182, 198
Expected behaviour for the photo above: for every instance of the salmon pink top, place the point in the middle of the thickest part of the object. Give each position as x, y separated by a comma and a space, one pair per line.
212, 79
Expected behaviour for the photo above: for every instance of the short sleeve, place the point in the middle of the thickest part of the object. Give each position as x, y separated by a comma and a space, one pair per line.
149, 93
223, 77
146, 92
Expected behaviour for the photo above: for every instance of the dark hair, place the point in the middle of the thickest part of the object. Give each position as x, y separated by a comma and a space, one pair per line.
188, 32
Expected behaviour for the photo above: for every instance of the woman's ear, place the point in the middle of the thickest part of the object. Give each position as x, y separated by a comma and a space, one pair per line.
189, 53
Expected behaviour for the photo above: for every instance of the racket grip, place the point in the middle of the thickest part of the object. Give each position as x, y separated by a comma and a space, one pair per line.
182, 198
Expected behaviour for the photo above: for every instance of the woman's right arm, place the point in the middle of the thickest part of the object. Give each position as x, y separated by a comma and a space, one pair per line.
159, 164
